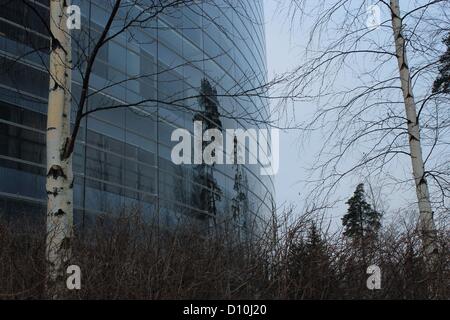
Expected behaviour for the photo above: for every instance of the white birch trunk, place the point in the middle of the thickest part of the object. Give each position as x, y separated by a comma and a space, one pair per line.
59, 171
426, 221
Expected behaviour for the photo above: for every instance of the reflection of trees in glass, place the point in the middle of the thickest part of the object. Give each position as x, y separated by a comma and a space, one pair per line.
180, 193
239, 206
207, 192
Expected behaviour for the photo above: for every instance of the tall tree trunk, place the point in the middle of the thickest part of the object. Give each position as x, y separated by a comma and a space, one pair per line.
59, 169
426, 221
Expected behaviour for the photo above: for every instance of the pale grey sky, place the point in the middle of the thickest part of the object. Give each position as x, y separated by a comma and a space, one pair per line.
283, 54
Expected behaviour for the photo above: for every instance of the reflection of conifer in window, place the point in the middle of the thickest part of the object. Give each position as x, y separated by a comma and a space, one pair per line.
206, 196
239, 206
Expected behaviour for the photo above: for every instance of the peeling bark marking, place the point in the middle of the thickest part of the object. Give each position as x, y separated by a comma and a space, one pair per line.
423, 181
65, 154
55, 86
393, 15
53, 193
59, 213
56, 45
65, 244
56, 172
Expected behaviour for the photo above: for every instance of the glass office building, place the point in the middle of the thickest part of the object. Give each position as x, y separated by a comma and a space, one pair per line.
123, 156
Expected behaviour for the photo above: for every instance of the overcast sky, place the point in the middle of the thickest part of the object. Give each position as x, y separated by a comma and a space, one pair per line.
283, 54
281, 57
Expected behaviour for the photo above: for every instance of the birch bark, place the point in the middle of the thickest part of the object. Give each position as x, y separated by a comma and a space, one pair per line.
59, 184
426, 221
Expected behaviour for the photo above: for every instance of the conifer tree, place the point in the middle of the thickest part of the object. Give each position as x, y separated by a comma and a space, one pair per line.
442, 82
361, 220
309, 266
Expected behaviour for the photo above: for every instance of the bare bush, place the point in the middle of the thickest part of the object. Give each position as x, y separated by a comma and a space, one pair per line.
128, 257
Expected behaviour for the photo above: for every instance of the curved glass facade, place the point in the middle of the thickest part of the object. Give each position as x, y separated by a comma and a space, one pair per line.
123, 156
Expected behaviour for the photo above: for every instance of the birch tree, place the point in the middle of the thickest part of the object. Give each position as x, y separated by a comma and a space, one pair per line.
59, 167
427, 225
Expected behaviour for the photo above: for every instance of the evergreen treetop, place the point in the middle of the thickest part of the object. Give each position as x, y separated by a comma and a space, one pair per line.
361, 220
